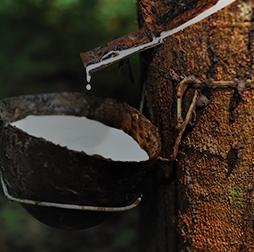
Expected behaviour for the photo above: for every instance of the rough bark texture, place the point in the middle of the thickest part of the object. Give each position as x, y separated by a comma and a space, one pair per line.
216, 181
210, 204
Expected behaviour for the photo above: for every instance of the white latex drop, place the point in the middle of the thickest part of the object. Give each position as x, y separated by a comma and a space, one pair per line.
88, 76
82, 134
88, 87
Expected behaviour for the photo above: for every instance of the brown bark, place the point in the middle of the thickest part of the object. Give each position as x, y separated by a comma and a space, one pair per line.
209, 205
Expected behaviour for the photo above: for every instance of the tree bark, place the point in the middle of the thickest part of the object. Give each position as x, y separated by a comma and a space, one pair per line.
208, 205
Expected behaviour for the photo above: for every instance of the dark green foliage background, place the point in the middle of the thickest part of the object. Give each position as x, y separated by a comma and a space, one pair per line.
40, 42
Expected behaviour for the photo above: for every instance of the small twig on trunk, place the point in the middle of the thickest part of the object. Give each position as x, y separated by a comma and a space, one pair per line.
230, 84
183, 86
185, 124
194, 83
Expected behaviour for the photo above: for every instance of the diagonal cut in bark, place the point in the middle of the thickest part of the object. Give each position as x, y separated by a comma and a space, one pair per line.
141, 40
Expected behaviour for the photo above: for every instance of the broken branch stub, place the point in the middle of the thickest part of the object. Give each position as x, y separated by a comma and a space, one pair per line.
66, 188
143, 40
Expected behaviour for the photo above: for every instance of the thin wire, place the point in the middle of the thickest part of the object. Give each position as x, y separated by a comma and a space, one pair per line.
68, 206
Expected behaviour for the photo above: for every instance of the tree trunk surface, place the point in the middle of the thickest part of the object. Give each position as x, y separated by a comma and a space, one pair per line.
209, 205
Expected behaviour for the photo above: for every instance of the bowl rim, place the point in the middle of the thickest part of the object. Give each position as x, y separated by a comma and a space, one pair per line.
7, 124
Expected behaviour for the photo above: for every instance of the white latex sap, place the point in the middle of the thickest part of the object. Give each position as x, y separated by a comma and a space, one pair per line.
82, 134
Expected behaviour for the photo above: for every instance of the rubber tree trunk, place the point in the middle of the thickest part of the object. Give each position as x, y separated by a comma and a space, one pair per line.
209, 204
